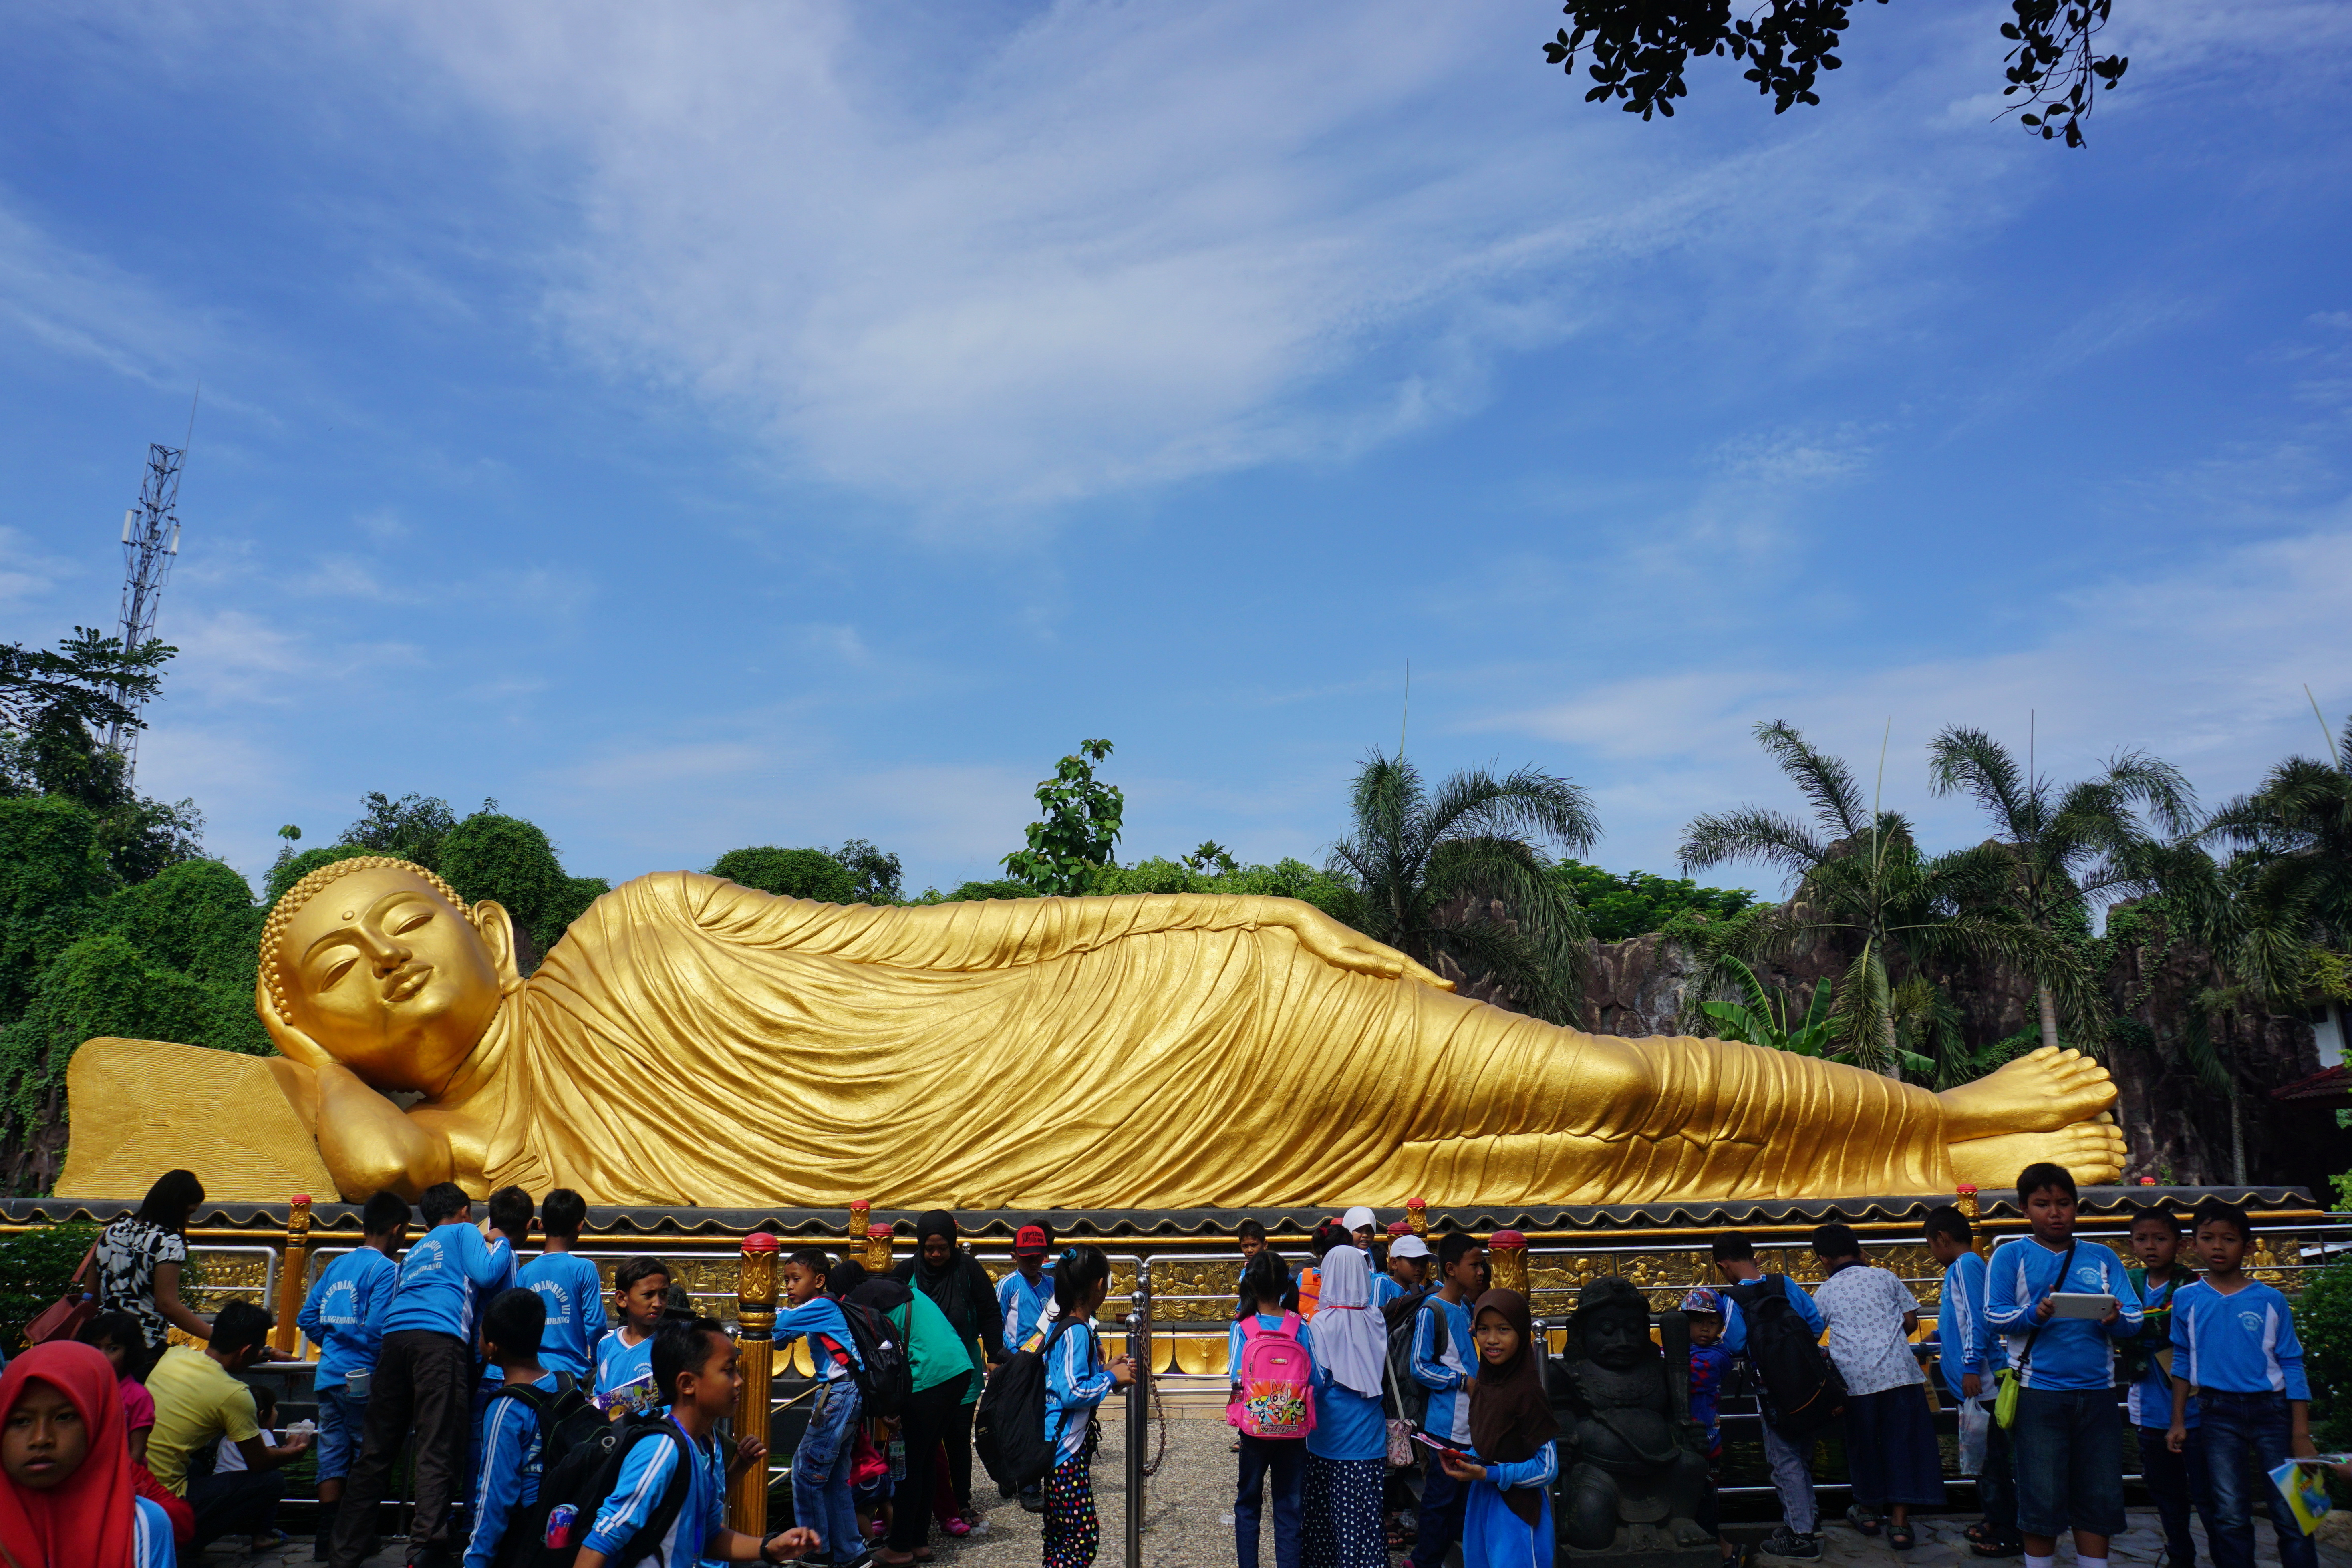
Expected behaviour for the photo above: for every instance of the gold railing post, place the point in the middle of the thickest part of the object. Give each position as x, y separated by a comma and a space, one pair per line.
291, 1267
1507, 1256
1416, 1217
755, 1336
1970, 1211
861, 1219
877, 1249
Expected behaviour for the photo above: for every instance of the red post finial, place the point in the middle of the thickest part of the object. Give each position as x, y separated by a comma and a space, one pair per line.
761, 1241
2147, 1181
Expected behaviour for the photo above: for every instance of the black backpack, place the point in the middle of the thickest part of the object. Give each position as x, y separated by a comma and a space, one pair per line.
885, 1378
1799, 1386
1008, 1429
570, 1427
1400, 1317
584, 1480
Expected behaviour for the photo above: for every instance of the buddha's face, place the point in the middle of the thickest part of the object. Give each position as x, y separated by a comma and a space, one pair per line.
389, 978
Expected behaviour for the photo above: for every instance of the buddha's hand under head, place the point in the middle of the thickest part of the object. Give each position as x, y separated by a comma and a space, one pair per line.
1345, 948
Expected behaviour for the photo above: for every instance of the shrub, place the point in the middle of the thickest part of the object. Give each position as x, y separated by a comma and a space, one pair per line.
36, 1268
53, 877
2323, 1320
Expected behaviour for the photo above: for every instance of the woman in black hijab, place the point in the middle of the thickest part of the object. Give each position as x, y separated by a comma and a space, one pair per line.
1508, 1520
956, 1284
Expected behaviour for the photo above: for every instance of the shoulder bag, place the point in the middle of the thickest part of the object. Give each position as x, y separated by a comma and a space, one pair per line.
63, 1318
2012, 1377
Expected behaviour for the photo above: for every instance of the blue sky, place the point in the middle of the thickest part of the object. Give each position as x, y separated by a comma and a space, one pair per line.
714, 425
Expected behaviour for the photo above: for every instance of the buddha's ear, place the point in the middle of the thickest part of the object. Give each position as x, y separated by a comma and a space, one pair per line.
490, 918
290, 1041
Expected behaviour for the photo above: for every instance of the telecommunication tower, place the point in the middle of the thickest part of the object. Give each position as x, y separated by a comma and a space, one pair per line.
151, 542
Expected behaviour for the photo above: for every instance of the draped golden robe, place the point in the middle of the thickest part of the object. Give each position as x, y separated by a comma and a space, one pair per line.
693, 1042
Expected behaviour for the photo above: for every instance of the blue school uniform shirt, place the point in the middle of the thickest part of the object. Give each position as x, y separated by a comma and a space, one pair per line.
574, 1296
2068, 1354
507, 1452
1444, 1372
1965, 1343
2240, 1344
1235, 1340
344, 1313
151, 1535
1735, 1322
1348, 1425
820, 1322
1385, 1289
2150, 1400
445, 1280
1023, 1306
1075, 1381
645, 1475
624, 1373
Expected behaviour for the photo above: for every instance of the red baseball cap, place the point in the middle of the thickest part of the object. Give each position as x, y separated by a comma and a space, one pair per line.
1029, 1238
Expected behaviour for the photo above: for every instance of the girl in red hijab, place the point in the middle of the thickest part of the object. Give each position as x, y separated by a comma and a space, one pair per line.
66, 1495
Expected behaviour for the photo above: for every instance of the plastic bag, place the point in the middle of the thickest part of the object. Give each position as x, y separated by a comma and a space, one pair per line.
1976, 1431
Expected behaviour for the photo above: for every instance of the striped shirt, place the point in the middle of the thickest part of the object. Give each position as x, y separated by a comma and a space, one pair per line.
2243, 1342
646, 1475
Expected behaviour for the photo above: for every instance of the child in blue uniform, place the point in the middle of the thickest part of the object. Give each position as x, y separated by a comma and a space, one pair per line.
625, 1366
828, 1451
570, 1285
1442, 1360
696, 1368
2234, 1350
1347, 1454
2068, 1435
1076, 1380
424, 1374
508, 1440
2175, 1481
343, 1316
1507, 1521
1970, 1354
1284, 1459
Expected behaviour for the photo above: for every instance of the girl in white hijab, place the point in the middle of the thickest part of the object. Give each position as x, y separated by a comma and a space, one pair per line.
1347, 1454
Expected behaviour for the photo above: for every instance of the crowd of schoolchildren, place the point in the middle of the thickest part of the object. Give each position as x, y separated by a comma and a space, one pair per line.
528, 1417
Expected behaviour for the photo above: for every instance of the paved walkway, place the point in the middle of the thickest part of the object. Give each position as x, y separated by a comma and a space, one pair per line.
1188, 1523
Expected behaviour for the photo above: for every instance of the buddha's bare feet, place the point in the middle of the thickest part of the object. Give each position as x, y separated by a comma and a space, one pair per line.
2041, 1091
2093, 1151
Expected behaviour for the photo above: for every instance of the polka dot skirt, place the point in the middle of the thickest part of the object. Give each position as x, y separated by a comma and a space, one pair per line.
1343, 1514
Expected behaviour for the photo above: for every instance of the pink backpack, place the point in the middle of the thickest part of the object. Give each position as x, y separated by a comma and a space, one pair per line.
1277, 1397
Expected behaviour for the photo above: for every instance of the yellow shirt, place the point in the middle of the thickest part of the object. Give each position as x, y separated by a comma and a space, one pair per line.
197, 1403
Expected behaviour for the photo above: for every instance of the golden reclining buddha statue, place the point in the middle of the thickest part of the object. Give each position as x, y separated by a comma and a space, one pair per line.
691, 1042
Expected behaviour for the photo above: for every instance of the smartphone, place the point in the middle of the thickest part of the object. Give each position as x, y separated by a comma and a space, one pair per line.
2081, 1304
1426, 1441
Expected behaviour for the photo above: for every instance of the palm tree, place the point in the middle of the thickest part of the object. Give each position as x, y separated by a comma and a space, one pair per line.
2072, 850
2284, 895
1417, 857
1859, 876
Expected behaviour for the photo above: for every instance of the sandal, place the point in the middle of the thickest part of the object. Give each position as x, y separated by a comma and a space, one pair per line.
1862, 1519
1900, 1538
1980, 1531
2011, 1547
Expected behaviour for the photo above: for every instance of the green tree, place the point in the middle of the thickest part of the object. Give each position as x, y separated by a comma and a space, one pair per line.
2072, 850
290, 868
1761, 1019
505, 858
874, 873
2279, 909
1860, 879
789, 873
1070, 847
1428, 866
410, 828
90, 680
1616, 907
53, 879
37, 1265
1640, 48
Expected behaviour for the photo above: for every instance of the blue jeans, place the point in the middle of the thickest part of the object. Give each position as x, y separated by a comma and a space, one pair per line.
2245, 1435
1287, 1457
2069, 1448
342, 1422
2175, 1481
821, 1468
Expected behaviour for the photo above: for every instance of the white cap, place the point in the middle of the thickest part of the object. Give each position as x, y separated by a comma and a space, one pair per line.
1408, 1246
1359, 1218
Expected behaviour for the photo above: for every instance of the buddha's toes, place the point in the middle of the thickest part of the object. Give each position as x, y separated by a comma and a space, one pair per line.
2043, 1090
2093, 1151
